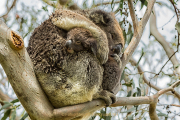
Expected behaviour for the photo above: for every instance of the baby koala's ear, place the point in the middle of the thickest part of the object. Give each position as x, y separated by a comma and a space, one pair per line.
91, 44
100, 17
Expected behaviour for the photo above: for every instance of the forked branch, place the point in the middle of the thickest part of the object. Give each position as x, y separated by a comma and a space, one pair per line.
152, 107
140, 70
9, 8
133, 16
169, 51
137, 36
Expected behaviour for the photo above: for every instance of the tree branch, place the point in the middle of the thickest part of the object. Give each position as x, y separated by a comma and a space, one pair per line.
9, 9
169, 51
133, 16
3, 97
134, 63
19, 70
152, 107
137, 36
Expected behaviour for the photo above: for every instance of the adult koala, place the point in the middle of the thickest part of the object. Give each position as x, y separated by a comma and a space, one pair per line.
68, 79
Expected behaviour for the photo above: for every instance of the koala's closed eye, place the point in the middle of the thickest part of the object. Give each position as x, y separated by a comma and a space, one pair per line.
78, 42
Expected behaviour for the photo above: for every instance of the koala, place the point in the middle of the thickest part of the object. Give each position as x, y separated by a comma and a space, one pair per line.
69, 78
80, 39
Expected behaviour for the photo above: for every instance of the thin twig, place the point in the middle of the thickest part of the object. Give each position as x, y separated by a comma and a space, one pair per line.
167, 62
133, 16
167, 22
9, 9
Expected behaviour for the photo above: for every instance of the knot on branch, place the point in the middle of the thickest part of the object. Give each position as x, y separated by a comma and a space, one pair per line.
16, 41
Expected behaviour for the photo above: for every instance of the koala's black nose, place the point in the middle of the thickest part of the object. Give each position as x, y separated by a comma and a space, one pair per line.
117, 48
68, 43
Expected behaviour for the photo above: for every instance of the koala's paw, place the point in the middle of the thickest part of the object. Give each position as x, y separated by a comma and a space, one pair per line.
117, 59
102, 54
107, 96
102, 58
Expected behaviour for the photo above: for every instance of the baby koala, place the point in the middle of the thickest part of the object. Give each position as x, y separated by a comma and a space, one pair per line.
80, 39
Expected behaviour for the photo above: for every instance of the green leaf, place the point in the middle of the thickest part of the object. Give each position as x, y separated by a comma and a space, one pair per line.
130, 110
131, 81
138, 91
178, 27
129, 29
122, 76
112, 6
121, 5
127, 84
6, 114
142, 53
15, 101
140, 79
130, 117
13, 115
25, 116
162, 114
129, 94
143, 2
45, 8
134, 95
6, 105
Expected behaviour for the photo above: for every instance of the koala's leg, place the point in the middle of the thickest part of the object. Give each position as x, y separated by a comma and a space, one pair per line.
107, 96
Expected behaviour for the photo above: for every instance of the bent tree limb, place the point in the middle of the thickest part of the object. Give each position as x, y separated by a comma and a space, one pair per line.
169, 51
140, 70
19, 70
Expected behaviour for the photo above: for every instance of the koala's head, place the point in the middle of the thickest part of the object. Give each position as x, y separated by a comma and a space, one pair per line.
80, 39
108, 23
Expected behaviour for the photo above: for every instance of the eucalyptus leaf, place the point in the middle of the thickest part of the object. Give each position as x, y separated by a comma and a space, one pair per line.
130, 110
15, 101
178, 27
25, 116
138, 91
13, 115
5, 106
6, 114
162, 114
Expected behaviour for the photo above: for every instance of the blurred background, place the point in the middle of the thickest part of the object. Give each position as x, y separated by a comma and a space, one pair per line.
146, 72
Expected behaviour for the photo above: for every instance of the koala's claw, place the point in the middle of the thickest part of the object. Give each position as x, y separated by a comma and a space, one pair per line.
107, 96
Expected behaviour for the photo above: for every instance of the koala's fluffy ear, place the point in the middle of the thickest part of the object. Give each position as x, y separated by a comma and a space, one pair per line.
100, 17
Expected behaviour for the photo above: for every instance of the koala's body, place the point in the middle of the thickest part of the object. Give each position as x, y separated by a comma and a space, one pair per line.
56, 70
66, 78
